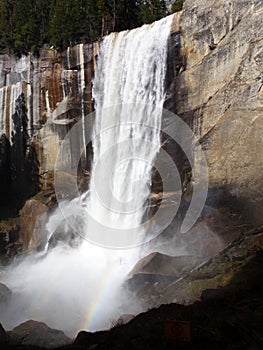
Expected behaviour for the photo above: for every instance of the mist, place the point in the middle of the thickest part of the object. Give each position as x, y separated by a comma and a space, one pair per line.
69, 288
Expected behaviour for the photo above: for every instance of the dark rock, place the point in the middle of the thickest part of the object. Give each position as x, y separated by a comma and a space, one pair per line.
89, 339
212, 294
233, 321
3, 335
33, 333
9, 233
123, 319
13, 249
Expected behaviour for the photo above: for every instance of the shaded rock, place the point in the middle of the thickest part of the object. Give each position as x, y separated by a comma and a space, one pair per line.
9, 233
33, 217
33, 333
153, 273
180, 254
233, 321
123, 319
3, 335
164, 265
212, 294
13, 249
88, 339
216, 272
5, 293
65, 236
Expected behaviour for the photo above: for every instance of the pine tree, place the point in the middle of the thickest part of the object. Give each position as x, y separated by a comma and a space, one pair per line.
177, 6
152, 10
66, 22
25, 29
25, 25
6, 25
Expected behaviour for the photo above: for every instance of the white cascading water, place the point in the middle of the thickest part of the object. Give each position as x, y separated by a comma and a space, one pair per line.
130, 78
80, 288
8, 98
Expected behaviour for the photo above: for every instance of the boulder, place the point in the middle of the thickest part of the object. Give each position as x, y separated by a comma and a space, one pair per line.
164, 265
156, 271
33, 333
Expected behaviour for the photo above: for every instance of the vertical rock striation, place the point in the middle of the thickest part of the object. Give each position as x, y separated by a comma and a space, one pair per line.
40, 99
218, 91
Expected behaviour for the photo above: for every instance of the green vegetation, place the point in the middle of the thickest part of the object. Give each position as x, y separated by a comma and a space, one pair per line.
26, 25
177, 6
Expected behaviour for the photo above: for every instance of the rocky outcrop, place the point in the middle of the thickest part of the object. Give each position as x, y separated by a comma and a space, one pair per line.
179, 254
32, 333
217, 272
33, 218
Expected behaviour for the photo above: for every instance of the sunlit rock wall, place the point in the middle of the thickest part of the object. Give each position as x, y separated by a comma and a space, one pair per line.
218, 91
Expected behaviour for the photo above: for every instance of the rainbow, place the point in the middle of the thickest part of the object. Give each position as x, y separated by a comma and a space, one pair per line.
105, 289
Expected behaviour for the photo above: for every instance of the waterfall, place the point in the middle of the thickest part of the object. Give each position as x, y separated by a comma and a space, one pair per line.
73, 288
130, 78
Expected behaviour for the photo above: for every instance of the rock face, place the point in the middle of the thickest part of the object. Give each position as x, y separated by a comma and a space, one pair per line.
40, 100
32, 333
33, 217
219, 92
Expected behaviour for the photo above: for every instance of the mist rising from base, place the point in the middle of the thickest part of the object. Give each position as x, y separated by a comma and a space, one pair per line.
69, 288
